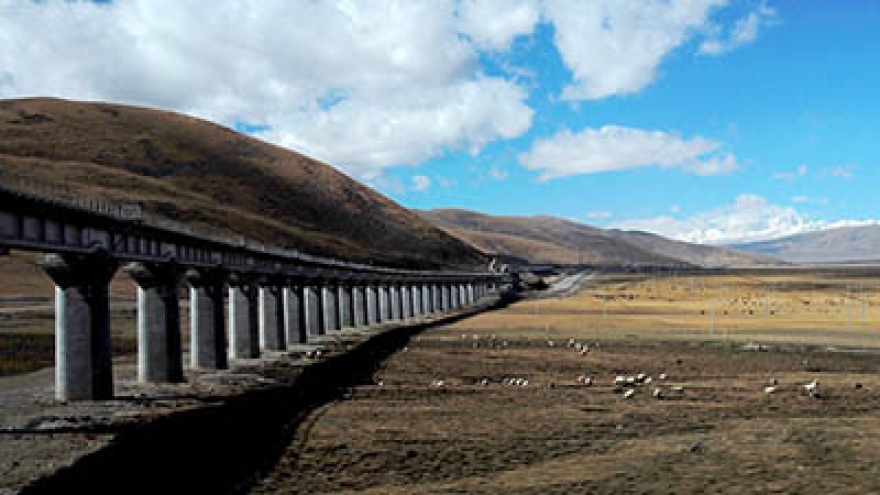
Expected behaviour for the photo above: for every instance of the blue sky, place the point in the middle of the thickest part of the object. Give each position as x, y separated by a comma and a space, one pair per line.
798, 107
704, 120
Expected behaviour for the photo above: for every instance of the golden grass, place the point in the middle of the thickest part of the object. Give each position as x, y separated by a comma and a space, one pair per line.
795, 307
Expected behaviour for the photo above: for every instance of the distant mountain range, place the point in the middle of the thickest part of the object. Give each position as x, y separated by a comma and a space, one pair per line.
544, 239
839, 245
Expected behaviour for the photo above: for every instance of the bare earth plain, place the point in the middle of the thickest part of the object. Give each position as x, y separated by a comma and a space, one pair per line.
443, 417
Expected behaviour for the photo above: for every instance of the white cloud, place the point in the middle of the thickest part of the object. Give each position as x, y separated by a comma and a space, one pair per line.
421, 183
494, 24
612, 148
614, 47
743, 32
363, 85
749, 218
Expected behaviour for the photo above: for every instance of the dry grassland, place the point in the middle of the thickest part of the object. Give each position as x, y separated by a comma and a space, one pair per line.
824, 308
443, 416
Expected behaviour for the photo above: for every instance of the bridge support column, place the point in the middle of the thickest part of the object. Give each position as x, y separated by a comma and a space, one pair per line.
447, 299
396, 303
272, 336
160, 356
243, 319
314, 306
384, 303
438, 298
462, 296
359, 305
372, 300
207, 325
331, 309
83, 356
405, 302
425, 292
416, 300
294, 314
346, 306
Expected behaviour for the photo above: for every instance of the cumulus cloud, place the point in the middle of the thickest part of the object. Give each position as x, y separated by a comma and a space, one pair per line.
613, 148
614, 47
750, 218
363, 85
743, 32
493, 24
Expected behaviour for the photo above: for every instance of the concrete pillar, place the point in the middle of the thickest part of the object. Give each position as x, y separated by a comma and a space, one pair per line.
437, 298
160, 356
446, 297
331, 309
83, 355
346, 306
359, 304
244, 329
426, 300
314, 309
396, 302
207, 345
295, 326
372, 301
272, 335
405, 302
384, 303
462, 295
470, 294
416, 294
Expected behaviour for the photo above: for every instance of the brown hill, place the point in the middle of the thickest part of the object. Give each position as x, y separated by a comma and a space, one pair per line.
207, 175
545, 239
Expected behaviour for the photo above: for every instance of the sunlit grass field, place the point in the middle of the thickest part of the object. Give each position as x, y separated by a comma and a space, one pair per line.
836, 309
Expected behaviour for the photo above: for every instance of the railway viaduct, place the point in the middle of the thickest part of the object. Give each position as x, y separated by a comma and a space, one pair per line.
274, 298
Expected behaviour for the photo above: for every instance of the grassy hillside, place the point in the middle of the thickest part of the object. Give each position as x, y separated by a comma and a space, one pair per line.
541, 239
545, 239
197, 172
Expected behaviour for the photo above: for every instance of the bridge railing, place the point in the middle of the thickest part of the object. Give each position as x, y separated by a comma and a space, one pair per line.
66, 196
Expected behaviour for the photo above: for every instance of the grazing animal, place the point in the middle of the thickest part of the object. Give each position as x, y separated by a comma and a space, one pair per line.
770, 390
658, 393
629, 393
812, 386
